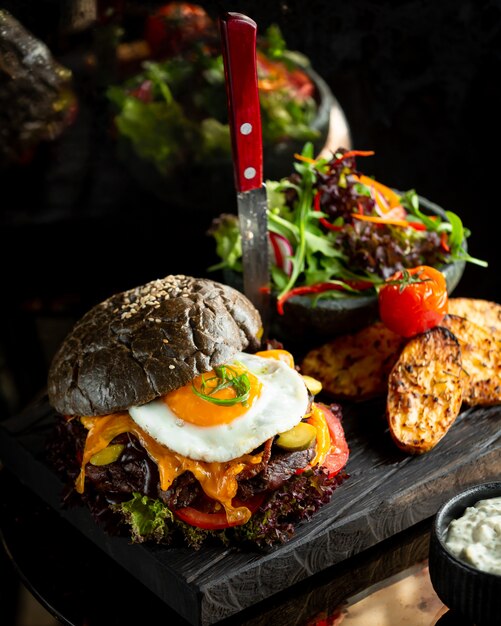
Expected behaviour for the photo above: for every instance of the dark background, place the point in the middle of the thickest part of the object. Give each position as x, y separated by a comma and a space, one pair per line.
418, 82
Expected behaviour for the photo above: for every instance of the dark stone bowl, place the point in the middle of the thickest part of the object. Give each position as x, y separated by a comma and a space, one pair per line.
467, 591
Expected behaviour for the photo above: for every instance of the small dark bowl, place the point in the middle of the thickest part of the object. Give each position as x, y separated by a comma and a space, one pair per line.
469, 592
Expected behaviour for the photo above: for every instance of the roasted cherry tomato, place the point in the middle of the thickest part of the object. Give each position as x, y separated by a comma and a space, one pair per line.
215, 521
337, 457
413, 300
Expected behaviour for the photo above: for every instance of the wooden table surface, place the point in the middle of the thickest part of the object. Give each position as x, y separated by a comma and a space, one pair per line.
387, 494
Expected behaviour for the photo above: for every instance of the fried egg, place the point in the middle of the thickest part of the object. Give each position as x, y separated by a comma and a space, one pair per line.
191, 425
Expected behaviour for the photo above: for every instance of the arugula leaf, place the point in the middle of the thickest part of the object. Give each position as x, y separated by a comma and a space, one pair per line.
305, 202
319, 243
226, 377
456, 235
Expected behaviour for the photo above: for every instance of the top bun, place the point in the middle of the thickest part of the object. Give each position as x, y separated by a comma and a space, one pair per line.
143, 343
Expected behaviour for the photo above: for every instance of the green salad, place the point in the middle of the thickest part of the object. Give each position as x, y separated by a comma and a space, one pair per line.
334, 231
173, 113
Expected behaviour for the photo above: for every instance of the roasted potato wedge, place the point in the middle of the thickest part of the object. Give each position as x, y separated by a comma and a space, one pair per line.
484, 313
425, 390
481, 357
355, 366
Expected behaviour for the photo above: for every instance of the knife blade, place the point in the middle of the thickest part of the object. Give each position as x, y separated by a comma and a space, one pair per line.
238, 39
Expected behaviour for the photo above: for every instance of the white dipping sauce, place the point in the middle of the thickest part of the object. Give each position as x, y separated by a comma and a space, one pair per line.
475, 537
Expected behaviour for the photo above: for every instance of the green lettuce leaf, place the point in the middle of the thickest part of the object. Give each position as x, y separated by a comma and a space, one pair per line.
228, 242
148, 519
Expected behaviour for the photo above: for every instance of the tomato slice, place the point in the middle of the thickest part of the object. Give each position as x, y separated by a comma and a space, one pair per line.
216, 521
413, 301
337, 457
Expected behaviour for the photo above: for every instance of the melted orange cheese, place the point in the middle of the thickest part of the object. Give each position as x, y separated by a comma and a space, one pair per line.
323, 446
218, 480
279, 355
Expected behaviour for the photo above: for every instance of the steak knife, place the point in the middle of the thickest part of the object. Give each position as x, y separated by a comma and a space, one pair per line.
238, 39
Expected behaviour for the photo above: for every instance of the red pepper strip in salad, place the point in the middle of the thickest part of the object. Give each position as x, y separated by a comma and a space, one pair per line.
346, 155
322, 220
352, 153
443, 242
319, 288
417, 225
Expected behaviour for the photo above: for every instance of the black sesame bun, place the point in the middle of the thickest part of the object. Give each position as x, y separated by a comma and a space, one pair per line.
145, 342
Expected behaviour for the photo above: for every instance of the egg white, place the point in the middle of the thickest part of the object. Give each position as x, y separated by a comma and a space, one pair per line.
281, 405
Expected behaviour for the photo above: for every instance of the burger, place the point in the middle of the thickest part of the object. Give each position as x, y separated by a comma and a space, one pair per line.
176, 424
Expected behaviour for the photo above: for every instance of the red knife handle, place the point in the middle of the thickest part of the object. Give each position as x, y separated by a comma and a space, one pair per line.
238, 39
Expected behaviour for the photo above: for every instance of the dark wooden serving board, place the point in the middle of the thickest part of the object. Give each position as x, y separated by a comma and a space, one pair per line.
386, 492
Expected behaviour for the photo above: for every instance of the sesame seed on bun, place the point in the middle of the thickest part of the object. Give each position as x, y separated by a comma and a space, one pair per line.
142, 343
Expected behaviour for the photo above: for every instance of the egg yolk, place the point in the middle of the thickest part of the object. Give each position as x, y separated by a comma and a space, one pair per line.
206, 409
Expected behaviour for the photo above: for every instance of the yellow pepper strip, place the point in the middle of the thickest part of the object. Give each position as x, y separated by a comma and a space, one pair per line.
382, 220
317, 420
381, 202
300, 157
